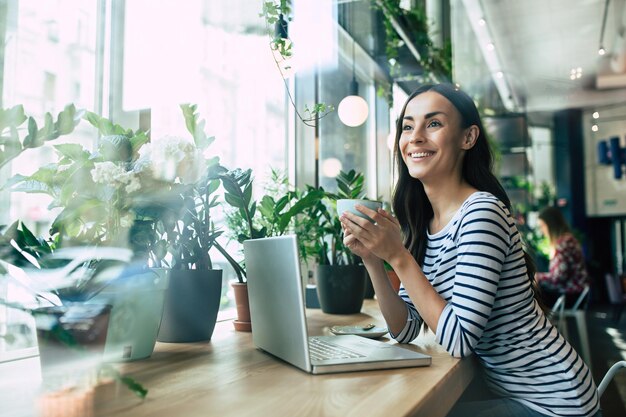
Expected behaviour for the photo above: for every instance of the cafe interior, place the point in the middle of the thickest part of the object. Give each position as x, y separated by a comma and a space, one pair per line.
144, 141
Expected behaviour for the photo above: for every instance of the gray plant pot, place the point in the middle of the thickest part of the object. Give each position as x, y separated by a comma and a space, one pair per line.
341, 289
138, 302
191, 305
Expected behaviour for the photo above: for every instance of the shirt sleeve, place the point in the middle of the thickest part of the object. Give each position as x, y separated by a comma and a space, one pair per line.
413, 323
483, 240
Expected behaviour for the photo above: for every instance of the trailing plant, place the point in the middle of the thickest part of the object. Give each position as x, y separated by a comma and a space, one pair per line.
282, 51
436, 63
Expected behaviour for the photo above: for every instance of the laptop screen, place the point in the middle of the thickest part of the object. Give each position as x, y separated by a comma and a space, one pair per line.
276, 296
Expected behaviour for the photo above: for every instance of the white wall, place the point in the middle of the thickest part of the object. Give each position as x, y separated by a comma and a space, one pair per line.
606, 196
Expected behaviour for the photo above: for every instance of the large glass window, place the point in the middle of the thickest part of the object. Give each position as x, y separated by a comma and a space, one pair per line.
48, 62
213, 54
138, 60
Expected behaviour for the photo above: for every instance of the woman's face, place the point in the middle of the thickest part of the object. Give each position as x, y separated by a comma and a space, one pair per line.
432, 141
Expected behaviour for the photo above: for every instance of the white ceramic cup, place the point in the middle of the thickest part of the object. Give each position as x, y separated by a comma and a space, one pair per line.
344, 205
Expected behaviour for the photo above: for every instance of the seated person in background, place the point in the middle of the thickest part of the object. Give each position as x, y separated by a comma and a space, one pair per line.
567, 274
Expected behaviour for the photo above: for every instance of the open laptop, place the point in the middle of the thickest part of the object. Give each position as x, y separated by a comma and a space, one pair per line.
277, 309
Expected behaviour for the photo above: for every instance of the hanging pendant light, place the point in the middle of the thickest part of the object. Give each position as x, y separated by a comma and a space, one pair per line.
353, 109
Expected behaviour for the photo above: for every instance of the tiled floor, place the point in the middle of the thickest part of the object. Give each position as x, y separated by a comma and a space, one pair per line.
607, 342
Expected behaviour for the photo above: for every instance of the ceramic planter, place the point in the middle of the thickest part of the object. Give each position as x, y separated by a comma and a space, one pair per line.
341, 288
191, 305
138, 299
71, 340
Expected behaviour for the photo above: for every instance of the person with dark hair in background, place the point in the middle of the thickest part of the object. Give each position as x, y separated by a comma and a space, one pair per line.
567, 274
464, 274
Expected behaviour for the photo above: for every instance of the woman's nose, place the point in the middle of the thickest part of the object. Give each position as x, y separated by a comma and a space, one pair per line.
416, 137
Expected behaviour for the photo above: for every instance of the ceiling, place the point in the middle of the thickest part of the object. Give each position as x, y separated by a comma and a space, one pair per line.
538, 42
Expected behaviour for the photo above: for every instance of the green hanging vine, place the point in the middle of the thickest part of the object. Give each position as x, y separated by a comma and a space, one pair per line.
435, 62
271, 12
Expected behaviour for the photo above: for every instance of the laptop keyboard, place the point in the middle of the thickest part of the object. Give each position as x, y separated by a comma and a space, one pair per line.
322, 350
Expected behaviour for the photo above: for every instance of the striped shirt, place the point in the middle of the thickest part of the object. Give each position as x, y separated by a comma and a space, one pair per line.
476, 264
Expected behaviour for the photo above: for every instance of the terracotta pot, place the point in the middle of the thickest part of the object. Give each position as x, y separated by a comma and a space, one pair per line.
243, 322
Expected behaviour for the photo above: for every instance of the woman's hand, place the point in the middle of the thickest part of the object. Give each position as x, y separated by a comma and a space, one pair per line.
352, 243
381, 239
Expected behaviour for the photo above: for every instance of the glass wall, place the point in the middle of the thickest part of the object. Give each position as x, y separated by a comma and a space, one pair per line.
136, 61
49, 61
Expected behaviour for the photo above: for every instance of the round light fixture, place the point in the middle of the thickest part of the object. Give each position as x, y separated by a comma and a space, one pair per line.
353, 110
331, 167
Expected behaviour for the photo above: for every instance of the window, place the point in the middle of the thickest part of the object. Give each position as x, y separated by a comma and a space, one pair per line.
43, 71
139, 60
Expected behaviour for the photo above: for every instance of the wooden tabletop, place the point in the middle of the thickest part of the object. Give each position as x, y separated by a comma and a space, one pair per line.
228, 376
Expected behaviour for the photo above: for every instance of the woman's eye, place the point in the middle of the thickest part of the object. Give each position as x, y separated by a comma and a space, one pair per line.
407, 127
434, 123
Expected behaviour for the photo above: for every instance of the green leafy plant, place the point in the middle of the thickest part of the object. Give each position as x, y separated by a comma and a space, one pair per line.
178, 230
12, 140
435, 63
320, 227
94, 190
274, 215
20, 247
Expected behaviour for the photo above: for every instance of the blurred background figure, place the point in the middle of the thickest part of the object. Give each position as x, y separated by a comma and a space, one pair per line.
567, 274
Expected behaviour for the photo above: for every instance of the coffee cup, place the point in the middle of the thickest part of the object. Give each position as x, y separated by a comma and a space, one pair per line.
346, 204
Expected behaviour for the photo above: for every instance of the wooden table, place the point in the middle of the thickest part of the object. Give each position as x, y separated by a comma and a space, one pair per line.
228, 376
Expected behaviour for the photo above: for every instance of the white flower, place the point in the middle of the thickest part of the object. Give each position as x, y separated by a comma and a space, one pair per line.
133, 184
170, 158
106, 172
114, 175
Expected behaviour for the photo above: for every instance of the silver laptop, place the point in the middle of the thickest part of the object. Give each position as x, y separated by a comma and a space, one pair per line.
277, 309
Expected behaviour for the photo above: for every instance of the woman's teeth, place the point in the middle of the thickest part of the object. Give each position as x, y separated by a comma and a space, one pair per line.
420, 154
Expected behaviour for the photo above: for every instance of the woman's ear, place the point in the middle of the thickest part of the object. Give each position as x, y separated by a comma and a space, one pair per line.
471, 135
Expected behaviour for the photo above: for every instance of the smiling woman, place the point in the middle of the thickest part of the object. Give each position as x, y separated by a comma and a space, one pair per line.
464, 273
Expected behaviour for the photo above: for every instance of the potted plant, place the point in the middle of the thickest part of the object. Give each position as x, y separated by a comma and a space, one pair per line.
99, 194
274, 215
340, 276
71, 333
178, 231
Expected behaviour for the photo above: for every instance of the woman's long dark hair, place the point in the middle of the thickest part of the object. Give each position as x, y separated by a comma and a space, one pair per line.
556, 223
410, 202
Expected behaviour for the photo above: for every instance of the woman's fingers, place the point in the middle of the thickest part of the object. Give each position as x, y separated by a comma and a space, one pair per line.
389, 216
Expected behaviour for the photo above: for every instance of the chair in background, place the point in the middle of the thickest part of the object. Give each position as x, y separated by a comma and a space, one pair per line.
577, 311
608, 377
616, 296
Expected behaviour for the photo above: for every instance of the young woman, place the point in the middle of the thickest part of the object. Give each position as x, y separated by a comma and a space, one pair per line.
464, 274
568, 274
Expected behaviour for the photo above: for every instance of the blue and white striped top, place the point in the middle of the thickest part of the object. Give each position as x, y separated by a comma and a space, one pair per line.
476, 264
